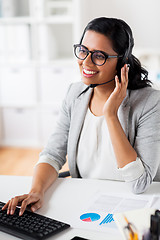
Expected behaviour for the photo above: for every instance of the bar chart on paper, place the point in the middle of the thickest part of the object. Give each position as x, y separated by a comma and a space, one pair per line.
107, 219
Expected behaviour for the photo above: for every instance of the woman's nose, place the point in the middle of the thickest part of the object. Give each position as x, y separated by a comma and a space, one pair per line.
88, 60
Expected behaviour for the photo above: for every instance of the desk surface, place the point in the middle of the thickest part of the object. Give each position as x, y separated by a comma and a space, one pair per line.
64, 197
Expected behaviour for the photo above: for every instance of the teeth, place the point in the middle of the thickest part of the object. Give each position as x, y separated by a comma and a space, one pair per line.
88, 72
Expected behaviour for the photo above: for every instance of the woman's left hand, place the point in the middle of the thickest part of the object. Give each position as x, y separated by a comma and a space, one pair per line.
115, 99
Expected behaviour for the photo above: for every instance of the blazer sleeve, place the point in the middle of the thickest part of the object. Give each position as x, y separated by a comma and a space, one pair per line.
55, 151
147, 142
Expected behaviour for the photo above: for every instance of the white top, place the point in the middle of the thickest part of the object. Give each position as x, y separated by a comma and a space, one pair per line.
95, 156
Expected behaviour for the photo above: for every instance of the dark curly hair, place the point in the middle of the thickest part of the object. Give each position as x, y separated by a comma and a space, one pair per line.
122, 40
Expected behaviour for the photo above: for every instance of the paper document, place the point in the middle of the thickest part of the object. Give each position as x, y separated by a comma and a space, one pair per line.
98, 213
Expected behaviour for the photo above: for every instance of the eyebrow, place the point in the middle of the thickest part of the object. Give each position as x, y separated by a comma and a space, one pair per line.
95, 50
105, 53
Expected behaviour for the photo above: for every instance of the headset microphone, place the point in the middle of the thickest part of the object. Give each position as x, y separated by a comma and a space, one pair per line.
95, 85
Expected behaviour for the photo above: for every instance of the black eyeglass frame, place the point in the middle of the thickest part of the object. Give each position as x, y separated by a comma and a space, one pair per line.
92, 52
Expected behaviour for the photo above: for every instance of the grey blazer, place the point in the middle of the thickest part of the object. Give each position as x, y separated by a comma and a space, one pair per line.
139, 115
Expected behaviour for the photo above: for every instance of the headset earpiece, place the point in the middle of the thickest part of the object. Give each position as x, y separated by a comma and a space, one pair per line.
128, 51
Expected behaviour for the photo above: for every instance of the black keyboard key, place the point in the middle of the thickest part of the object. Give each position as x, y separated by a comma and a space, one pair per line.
29, 226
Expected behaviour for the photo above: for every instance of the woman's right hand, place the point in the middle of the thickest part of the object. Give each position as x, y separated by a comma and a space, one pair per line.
44, 176
34, 200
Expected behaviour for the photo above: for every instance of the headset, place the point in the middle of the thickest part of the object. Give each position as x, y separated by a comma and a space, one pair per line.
128, 52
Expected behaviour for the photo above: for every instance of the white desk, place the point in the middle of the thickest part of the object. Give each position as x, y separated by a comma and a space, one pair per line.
64, 198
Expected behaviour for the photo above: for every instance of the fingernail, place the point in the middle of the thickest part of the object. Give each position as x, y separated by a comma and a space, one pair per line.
33, 209
12, 212
117, 79
20, 213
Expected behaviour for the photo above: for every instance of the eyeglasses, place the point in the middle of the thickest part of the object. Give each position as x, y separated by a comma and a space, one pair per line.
98, 57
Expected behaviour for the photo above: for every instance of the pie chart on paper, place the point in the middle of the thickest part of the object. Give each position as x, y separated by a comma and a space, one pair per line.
90, 217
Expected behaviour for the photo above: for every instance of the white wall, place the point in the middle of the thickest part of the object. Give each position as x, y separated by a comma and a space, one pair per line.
143, 16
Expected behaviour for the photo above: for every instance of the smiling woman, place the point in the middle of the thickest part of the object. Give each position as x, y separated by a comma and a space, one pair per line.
108, 121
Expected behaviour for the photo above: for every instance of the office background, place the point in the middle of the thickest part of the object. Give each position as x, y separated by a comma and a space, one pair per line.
37, 62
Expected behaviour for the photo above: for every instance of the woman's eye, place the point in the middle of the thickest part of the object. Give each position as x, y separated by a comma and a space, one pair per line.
100, 56
82, 50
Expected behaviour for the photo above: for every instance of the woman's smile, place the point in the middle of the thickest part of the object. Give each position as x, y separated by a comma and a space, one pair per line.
89, 73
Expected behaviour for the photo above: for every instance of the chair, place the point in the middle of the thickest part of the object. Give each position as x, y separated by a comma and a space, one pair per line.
64, 174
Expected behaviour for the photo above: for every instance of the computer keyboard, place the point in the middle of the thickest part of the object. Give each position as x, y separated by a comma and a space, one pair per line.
30, 225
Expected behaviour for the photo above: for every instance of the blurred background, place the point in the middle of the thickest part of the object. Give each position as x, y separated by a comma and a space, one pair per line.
37, 65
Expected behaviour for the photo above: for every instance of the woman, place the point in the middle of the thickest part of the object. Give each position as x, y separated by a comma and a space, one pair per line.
109, 124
